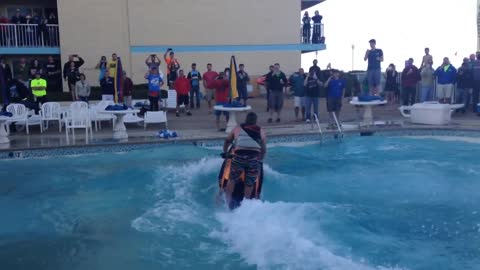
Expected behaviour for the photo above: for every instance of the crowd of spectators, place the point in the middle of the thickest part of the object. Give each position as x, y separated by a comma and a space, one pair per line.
29, 29
312, 28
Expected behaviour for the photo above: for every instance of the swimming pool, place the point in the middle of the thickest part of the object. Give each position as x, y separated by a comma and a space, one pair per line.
367, 203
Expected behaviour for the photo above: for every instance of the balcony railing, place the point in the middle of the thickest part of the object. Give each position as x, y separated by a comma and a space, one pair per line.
313, 34
29, 35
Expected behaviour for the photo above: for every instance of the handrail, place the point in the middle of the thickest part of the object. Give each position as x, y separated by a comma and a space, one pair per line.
29, 35
339, 127
318, 125
314, 35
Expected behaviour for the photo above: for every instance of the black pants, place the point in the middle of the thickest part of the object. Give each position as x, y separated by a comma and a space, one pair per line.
408, 96
40, 101
475, 95
153, 104
306, 34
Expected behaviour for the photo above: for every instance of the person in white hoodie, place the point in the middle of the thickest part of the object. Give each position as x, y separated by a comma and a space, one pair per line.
82, 89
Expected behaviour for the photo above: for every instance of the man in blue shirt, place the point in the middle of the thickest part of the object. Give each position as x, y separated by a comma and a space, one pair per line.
446, 77
155, 81
374, 73
297, 81
335, 93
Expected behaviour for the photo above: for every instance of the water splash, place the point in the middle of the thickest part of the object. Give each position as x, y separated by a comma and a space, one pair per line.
280, 236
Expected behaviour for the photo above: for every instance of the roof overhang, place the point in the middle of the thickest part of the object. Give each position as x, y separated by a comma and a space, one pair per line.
310, 3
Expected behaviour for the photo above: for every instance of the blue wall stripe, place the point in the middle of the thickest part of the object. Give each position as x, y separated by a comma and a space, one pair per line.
228, 48
28, 50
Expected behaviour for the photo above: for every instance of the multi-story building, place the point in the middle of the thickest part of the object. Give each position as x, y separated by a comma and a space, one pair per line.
258, 33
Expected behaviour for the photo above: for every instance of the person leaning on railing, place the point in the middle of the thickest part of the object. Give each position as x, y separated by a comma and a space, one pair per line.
317, 27
42, 32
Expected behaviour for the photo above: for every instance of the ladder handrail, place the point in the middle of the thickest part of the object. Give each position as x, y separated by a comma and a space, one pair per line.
318, 124
339, 128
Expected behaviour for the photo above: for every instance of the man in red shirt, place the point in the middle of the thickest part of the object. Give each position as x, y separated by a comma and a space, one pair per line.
221, 86
182, 86
208, 79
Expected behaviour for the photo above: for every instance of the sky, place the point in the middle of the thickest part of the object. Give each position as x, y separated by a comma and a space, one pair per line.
402, 29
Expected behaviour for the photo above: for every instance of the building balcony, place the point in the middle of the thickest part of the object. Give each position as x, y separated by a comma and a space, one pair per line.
312, 35
29, 39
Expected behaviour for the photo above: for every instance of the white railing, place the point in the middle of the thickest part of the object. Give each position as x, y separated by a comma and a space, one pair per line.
29, 35
318, 125
314, 35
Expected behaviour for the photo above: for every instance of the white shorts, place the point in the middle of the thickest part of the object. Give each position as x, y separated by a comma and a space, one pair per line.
299, 101
107, 97
444, 90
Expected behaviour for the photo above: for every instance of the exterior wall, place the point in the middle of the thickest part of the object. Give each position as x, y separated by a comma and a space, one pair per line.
192, 22
92, 28
256, 64
102, 32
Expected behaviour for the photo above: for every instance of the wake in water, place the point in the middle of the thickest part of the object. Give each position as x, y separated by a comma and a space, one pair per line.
280, 236
268, 235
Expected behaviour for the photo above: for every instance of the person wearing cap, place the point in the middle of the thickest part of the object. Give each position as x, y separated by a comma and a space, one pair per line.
374, 57
464, 85
39, 89
155, 81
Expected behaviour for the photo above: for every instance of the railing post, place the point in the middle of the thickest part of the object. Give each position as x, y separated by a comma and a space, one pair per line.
16, 35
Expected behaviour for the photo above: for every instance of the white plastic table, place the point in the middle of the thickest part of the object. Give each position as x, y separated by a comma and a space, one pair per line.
232, 120
3, 128
119, 129
368, 115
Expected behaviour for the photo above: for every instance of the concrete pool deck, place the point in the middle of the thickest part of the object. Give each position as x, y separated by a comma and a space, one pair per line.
201, 126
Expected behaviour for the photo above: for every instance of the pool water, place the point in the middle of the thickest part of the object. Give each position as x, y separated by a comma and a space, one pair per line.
365, 203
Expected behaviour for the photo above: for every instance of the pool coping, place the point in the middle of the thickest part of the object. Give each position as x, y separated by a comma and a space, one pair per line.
285, 137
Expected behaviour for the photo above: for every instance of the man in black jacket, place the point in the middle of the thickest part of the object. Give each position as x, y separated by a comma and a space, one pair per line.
276, 81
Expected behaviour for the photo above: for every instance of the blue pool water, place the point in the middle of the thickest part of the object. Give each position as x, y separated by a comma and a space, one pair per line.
367, 203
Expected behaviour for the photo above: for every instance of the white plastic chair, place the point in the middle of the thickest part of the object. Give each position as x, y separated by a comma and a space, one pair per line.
154, 118
172, 99
51, 111
21, 112
132, 118
78, 116
99, 117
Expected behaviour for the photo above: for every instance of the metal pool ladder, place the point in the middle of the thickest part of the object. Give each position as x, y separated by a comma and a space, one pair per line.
318, 125
339, 127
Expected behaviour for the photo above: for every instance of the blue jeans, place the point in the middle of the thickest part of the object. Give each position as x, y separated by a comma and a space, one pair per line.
463, 97
309, 101
195, 90
426, 93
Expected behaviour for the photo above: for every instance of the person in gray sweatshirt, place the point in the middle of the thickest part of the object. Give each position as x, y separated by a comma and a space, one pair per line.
82, 89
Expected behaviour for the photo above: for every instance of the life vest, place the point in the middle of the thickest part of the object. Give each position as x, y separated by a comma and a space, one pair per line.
39, 87
243, 141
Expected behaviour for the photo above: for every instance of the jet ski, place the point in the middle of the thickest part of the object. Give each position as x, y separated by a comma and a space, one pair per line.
238, 193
